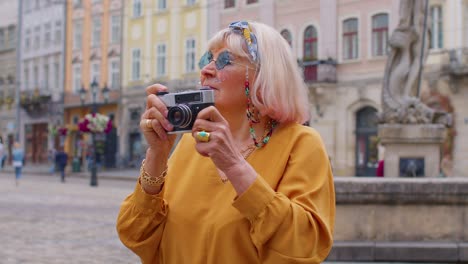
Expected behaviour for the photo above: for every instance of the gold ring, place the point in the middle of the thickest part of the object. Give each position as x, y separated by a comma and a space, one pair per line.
203, 136
148, 124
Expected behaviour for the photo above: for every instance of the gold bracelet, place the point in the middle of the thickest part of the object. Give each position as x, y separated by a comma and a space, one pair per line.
151, 181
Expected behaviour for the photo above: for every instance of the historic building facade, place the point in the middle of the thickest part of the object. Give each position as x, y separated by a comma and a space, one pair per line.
93, 59
8, 67
40, 77
162, 43
341, 46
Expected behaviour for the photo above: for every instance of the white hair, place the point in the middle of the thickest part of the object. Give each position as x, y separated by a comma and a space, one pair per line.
278, 89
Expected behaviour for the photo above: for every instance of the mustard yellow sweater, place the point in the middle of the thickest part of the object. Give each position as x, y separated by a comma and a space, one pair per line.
286, 216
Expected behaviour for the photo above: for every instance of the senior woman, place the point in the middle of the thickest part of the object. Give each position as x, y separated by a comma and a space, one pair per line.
250, 184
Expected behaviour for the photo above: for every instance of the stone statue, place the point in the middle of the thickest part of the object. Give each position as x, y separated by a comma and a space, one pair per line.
400, 102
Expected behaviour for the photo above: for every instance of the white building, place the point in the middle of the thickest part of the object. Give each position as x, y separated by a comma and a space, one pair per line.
41, 70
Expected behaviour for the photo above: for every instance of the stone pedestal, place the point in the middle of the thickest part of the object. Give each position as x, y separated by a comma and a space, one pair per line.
411, 150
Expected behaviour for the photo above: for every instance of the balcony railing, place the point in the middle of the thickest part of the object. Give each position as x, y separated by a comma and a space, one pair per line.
319, 71
458, 62
35, 102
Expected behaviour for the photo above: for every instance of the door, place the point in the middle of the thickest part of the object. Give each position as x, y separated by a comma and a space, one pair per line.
36, 143
135, 149
366, 142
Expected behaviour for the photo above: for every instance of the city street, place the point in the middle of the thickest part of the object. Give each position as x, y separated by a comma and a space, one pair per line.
45, 221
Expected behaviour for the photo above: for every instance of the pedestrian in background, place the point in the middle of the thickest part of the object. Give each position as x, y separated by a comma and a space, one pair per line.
51, 158
61, 159
18, 161
2, 154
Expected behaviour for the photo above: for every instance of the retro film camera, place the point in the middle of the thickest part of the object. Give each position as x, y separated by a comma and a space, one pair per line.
184, 107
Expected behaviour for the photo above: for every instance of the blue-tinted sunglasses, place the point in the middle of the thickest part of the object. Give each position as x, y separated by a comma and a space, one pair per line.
224, 58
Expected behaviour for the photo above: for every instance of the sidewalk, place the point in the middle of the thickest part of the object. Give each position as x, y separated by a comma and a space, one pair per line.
129, 174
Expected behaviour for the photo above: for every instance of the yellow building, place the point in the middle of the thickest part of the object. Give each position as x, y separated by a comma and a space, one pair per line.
163, 41
93, 41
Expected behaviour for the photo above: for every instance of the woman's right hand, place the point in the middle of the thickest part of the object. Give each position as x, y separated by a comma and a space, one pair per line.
154, 123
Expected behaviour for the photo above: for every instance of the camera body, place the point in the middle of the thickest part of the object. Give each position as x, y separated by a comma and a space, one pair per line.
183, 107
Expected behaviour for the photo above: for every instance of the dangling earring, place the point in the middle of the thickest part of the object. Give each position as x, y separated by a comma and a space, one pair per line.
254, 118
252, 113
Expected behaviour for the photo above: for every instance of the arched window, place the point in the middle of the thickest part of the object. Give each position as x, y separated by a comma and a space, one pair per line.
379, 34
287, 36
310, 44
366, 142
350, 39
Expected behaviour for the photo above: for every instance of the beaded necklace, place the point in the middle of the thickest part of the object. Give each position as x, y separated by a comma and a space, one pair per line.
269, 126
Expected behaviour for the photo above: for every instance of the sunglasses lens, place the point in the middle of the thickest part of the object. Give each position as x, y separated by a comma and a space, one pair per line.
205, 59
224, 59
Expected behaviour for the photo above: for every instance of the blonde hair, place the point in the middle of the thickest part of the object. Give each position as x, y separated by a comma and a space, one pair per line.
279, 89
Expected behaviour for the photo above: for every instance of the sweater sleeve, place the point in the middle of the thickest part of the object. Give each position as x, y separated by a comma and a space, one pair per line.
140, 223
293, 224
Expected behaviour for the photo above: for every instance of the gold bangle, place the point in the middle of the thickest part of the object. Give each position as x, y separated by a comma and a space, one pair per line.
151, 181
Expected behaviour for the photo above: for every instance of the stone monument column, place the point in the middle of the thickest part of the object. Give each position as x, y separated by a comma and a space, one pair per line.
410, 131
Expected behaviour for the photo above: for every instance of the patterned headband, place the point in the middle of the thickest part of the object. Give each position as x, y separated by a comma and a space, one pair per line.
243, 28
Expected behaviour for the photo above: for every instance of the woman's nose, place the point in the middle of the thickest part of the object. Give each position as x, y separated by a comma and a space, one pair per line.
209, 70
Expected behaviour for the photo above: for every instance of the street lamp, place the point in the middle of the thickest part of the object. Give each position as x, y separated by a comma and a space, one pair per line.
94, 87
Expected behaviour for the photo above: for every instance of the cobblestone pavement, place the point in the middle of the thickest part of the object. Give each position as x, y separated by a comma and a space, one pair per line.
45, 221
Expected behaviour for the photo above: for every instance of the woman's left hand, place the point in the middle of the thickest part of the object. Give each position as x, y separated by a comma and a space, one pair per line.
221, 147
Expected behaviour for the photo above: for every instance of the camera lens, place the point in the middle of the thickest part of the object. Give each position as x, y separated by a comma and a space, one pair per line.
179, 116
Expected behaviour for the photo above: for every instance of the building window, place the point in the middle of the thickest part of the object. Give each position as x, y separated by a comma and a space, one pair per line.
136, 8
47, 34
114, 72
95, 71
136, 57
11, 36
379, 34
27, 39
466, 26
350, 39
27, 6
437, 36
2, 38
191, 2
229, 3
287, 36
96, 37
36, 76
58, 32
162, 5
26, 77
77, 3
190, 55
310, 44
252, 1
77, 34
46, 76
57, 74
76, 78
161, 60
37, 37
115, 29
